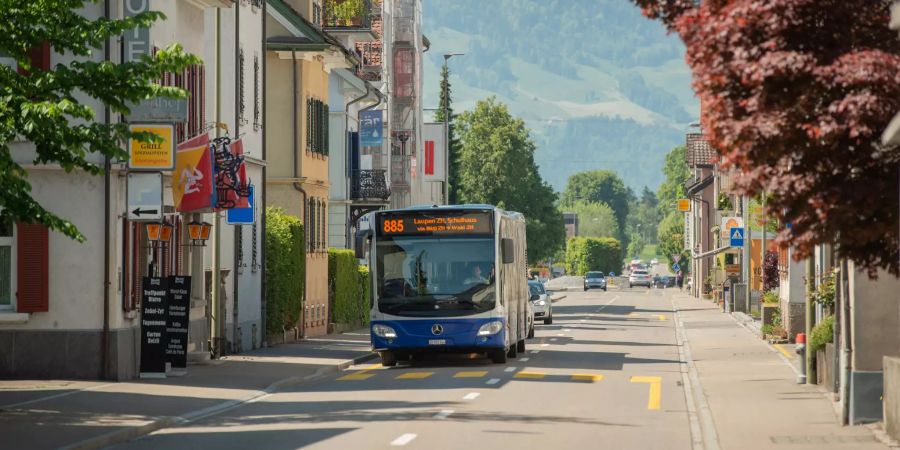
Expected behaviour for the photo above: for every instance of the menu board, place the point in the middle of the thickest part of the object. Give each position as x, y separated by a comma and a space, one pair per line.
177, 321
154, 320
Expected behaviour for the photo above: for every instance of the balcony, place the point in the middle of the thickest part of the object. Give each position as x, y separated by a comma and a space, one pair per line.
348, 18
369, 68
369, 185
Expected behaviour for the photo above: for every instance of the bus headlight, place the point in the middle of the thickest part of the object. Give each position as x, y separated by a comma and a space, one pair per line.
384, 331
490, 328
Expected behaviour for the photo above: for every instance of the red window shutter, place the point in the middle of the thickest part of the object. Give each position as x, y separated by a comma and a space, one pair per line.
40, 58
32, 271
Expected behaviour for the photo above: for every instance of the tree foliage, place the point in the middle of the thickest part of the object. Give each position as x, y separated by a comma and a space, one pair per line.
643, 217
677, 175
599, 186
796, 94
496, 166
446, 101
584, 254
670, 236
595, 219
347, 288
52, 110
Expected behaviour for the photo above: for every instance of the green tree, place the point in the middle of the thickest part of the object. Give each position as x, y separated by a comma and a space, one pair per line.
671, 236
446, 101
636, 245
595, 219
496, 166
643, 217
584, 254
677, 174
599, 186
49, 108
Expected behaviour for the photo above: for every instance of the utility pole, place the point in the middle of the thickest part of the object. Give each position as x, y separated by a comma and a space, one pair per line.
745, 251
446, 107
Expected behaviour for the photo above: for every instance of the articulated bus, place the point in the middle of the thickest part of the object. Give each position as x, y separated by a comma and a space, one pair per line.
447, 279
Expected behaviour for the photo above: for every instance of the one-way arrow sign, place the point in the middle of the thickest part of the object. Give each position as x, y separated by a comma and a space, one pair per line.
139, 212
145, 196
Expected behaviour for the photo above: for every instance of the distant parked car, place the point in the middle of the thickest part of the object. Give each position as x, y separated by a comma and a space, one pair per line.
594, 280
654, 262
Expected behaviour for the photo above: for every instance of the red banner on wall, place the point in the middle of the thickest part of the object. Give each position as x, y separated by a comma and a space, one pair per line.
429, 157
193, 180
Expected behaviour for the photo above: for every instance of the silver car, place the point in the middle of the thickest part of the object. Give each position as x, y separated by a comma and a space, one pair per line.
540, 301
594, 280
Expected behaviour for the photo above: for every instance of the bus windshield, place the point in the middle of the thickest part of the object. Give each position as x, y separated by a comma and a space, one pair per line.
435, 277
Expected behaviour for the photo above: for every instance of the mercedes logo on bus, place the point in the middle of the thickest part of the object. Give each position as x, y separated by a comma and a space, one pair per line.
437, 329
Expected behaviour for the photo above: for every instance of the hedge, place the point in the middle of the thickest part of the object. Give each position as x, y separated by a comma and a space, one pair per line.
348, 288
285, 270
585, 254
821, 334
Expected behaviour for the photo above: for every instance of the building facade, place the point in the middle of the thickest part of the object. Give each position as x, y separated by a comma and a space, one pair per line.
79, 316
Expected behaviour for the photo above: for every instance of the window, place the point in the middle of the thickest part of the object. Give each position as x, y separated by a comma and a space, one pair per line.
317, 126
257, 97
240, 82
7, 266
192, 80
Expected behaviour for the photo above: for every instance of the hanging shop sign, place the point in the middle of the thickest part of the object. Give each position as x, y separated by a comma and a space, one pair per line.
370, 128
152, 155
193, 181
177, 322
154, 314
232, 188
434, 152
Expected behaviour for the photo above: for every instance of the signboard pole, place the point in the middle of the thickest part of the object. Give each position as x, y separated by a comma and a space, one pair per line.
154, 313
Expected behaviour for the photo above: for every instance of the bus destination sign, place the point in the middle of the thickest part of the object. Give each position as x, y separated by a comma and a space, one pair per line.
434, 224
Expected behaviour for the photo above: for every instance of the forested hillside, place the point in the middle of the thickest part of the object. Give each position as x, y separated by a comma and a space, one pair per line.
599, 85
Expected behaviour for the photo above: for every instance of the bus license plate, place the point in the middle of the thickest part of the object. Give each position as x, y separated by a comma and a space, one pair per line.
437, 342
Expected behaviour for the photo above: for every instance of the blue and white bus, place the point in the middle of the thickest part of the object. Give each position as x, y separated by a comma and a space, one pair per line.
447, 279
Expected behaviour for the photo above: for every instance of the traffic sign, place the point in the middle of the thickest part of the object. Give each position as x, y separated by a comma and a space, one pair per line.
144, 196
152, 155
684, 204
243, 216
676, 267
729, 222
737, 237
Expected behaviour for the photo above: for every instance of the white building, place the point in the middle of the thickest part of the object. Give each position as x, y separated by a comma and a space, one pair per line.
77, 313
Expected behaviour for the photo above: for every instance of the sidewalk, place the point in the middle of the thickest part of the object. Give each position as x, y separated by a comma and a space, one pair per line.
749, 392
86, 415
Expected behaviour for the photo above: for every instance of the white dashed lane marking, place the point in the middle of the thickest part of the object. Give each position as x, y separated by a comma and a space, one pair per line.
493, 381
403, 440
509, 369
471, 396
443, 414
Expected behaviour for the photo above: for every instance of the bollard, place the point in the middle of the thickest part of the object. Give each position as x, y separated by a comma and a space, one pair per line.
801, 350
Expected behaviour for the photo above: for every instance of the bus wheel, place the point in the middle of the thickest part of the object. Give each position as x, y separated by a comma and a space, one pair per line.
498, 356
388, 358
520, 346
512, 351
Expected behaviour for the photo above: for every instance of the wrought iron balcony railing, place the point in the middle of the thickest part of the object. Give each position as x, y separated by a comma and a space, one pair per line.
369, 185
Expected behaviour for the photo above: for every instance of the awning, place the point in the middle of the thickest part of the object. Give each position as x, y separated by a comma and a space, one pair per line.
712, 252
699, 186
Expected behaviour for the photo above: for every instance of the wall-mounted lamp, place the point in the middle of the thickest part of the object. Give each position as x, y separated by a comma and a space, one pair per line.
199, 232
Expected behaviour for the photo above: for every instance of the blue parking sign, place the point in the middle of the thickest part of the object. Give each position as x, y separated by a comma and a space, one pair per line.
243, 216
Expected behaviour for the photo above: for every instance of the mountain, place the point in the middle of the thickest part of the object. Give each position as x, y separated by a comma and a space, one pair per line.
599, 85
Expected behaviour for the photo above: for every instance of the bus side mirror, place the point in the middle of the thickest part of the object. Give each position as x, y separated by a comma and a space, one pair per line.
362, 239
507, 250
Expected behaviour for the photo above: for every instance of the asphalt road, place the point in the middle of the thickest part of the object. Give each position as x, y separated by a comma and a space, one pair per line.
606, 374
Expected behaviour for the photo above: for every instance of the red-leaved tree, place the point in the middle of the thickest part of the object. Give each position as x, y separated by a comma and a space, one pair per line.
795, 95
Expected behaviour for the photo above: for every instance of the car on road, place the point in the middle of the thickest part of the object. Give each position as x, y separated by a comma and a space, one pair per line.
540, 303
654, 262
663, 281
594, 280
639, 277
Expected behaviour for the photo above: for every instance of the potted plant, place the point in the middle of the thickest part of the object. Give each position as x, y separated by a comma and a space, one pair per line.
345, 12
771, 315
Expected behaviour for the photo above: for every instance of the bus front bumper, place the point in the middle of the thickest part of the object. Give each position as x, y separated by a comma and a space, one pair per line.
438, 334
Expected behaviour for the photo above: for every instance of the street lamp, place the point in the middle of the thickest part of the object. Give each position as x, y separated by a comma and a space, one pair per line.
447, 57
199, 232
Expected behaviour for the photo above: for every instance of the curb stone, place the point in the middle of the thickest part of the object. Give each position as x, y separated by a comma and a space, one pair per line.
128, 434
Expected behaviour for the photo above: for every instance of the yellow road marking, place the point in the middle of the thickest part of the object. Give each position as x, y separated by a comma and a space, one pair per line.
632, 314
415, 375
783, 351
360, 375
587, 377
655, 390
530, 375
661, 317
471, 374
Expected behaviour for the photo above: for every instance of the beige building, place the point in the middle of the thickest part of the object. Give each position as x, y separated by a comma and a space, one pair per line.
299, 58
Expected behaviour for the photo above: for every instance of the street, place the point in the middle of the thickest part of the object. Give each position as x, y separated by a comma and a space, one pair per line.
607, 371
